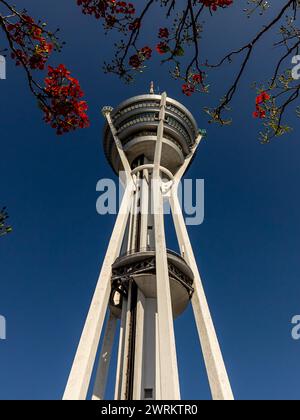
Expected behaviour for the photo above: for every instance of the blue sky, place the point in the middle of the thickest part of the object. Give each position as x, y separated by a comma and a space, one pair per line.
247, 248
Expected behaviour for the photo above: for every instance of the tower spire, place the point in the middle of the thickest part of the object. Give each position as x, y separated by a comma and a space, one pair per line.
152, 88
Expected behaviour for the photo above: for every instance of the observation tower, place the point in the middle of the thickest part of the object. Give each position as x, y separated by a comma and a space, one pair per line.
143, 286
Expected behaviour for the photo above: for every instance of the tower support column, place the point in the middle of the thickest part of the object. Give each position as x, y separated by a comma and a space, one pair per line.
215, 366
118, 386
80, 376
138, 365
169, 381
105, 356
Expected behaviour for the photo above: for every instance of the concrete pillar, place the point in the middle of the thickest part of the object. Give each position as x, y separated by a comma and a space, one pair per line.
80, 376
118, 387
169, 381
144, 209
105, 356
118, 144
139, 348
123, 378
150, 371
135, 215
158, 395
216, 370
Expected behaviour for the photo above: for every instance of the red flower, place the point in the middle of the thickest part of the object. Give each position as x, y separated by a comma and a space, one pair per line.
188, 89
30, 41
146, 52
135, 61
162, 48
107, 10
66, 110
214, 4
260, 112
142, 55
263, 97
163, 33
197, 78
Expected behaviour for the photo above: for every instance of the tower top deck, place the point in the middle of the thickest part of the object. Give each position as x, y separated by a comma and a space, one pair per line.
136, 121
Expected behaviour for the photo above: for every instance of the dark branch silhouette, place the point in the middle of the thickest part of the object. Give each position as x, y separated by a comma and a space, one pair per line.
179, 44
30, 45
4, 227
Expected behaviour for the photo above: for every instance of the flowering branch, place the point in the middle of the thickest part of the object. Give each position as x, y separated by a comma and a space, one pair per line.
272, 114
30, 45
185, 33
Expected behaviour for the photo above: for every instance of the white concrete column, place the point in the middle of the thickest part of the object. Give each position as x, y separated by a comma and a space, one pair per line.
135, 215
105, 357
158, 395
139, 347
151, 231
169, 381
130, 225
118, 387
144, 209
119, 146
123, 377
151, 371
80, 376
216, 370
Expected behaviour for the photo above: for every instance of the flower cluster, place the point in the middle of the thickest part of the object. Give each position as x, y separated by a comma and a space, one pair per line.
136, 61
111, 11
31, 45
163, 33
214, 4
190, 87
261, 100
163, 47
66, 111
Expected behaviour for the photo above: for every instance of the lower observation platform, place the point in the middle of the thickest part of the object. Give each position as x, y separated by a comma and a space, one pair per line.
141, 267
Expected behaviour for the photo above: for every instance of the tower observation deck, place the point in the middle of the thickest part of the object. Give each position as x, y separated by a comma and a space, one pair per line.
137, 120
143, 286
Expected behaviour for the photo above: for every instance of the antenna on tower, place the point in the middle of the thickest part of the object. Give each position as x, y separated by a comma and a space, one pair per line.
152, 88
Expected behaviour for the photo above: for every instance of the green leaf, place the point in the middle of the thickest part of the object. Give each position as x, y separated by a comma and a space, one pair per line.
179, 52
